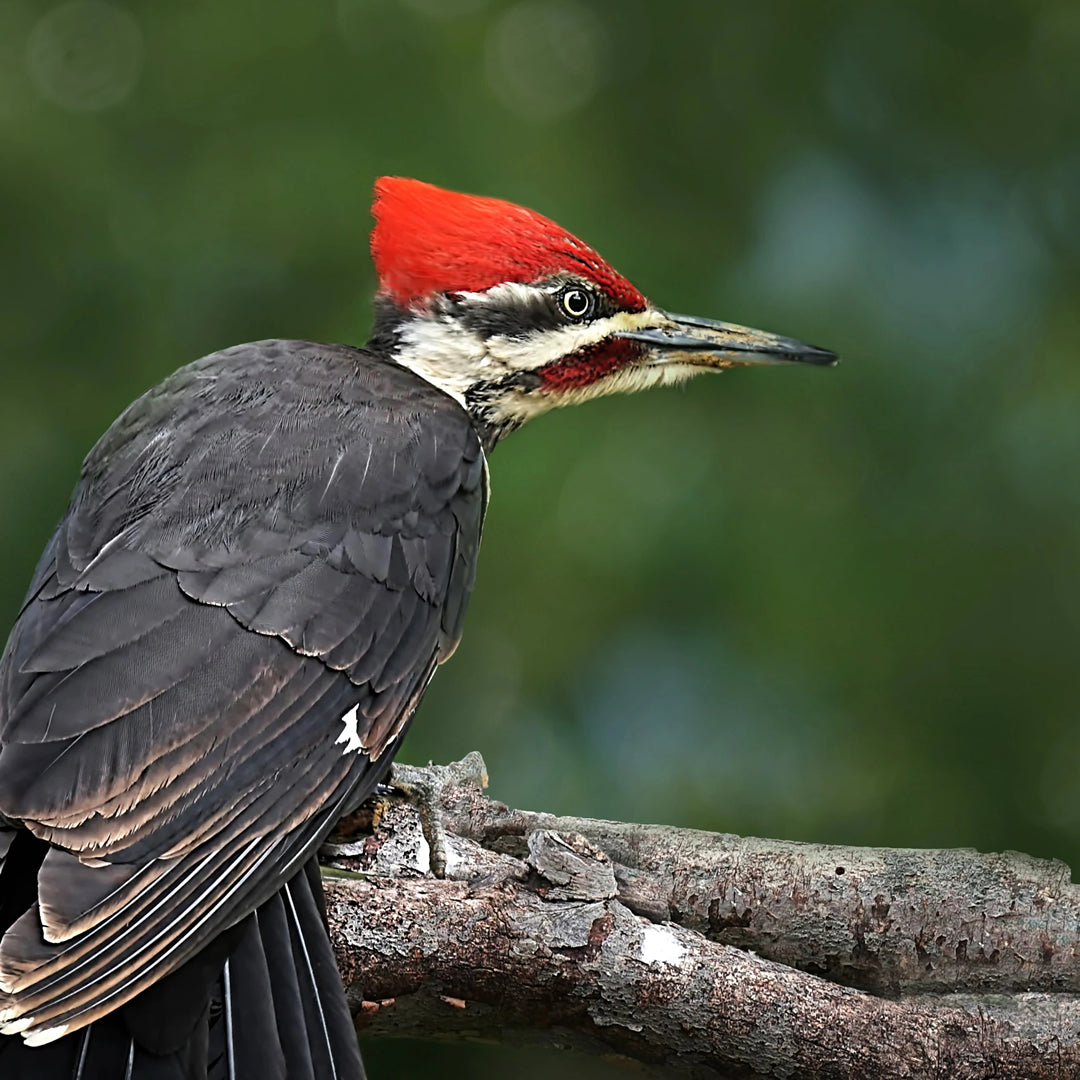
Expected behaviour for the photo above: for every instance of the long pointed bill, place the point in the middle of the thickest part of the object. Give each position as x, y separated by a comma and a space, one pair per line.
686, 339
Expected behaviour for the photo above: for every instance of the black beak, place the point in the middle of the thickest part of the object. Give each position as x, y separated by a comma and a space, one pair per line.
686, 339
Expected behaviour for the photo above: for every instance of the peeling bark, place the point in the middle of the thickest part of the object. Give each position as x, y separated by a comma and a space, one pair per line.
634, 941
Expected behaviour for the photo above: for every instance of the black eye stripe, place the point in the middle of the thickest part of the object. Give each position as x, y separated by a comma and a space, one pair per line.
521, 316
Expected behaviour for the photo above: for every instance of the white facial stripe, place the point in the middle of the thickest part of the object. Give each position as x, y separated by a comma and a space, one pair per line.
445, 354
508, 293
532, 351
454, 358
529, 353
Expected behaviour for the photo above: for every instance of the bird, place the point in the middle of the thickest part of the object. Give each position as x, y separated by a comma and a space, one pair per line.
264, 561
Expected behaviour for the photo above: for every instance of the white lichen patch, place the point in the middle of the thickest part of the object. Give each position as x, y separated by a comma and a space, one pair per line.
661, 945
422, 853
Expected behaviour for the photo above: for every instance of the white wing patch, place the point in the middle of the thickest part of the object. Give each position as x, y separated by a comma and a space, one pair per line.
350, 736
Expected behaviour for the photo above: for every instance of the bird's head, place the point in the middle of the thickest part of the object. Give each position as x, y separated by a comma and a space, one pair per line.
512, 315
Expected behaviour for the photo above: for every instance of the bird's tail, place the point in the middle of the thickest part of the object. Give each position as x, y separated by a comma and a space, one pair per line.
262, 1002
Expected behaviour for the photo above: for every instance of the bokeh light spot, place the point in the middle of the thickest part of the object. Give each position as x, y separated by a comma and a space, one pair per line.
85, 56
546, 59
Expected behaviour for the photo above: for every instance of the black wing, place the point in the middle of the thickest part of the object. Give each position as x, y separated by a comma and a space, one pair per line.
265, 560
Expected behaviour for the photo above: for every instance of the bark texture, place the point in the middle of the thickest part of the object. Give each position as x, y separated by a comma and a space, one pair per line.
703, 954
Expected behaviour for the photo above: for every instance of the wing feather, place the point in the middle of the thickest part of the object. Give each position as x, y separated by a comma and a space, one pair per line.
172, 696
102, 689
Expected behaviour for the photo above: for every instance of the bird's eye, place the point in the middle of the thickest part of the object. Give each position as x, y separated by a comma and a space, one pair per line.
576, 302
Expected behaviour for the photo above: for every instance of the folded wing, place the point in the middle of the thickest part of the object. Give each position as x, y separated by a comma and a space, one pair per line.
220, 650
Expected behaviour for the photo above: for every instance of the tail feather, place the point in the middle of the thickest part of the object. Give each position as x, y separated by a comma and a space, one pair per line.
263, 1001
222, 1055
315, 1016
328, 1012
256, 1037
288, 998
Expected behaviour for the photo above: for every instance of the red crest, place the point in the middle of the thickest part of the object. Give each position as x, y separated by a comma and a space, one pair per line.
428, 240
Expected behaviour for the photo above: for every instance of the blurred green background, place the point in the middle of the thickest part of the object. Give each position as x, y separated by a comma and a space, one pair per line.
824, 605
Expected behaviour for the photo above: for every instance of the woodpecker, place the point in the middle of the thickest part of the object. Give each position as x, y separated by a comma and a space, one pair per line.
264, 561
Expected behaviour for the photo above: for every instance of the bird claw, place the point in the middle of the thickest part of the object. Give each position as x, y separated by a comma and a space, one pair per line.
424, 787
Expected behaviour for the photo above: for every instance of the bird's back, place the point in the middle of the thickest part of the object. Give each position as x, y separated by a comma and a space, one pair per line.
264, 561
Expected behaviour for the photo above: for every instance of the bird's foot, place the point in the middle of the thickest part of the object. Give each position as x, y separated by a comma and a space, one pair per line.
425, 786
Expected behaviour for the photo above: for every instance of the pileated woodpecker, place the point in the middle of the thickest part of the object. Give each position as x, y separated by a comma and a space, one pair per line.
265, 559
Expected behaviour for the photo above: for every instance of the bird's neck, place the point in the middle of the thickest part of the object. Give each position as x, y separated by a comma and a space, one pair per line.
454, 359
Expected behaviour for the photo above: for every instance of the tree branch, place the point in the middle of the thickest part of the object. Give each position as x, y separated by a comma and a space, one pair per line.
633, 940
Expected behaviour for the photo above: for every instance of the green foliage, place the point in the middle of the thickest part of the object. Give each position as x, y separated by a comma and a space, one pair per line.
826, 605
